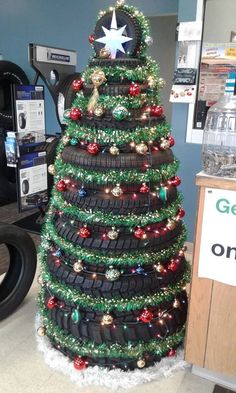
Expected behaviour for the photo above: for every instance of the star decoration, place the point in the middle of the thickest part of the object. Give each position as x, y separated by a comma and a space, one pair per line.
113, 38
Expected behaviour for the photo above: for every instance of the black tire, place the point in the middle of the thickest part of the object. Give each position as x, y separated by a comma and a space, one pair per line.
66, 95
19, 277
22, 121
7, 177
25, 187
10, 73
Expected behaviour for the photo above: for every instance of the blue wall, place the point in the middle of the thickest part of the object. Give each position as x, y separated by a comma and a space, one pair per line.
67, 25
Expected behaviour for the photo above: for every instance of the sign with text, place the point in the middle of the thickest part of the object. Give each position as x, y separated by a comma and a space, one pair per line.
217, 259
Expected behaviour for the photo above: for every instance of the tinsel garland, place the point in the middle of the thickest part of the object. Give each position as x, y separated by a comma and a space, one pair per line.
111, 102
130, 220
162, 174
120, 137
138, 74
89, 348
70, 295
102, 257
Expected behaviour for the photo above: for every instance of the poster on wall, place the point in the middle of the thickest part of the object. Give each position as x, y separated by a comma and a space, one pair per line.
29, 119
217, 259
32, 180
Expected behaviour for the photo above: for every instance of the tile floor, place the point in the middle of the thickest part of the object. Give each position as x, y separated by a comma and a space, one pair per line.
22, 367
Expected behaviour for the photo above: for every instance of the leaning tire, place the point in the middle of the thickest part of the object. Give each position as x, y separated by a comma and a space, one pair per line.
10, 73
22, 266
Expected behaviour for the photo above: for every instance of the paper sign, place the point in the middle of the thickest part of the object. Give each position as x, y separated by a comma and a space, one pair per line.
190, 31
217, 259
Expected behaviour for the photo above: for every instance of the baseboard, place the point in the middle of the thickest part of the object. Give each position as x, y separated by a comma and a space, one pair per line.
219, 379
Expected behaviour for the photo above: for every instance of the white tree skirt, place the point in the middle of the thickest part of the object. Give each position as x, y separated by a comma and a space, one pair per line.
113, 379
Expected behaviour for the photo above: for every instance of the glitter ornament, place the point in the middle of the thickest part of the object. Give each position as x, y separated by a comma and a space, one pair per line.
171, 224
61, 186
93, 148
140, 233
112, 274
75, 316
134, 89
107, 319
66, 114
171, 141
91, 38
141, 148
104, 53
52, 302
112, 234
141, 363
74, 141
75, 114
78, 266
120, 112
99, 111
172, 353
156, 110
41, 331
80, 363
161, 82
180, 213
164, 144
77, 84
151, 81
51, 169
114, 150
146, 316
144, 188
82, 192
84, 232
159, 268
148, 40
117, 191
176, 303
173, 266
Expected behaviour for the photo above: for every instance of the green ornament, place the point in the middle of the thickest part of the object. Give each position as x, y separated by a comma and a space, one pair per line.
74, 141
75, 316
162, 194
120, 112
66, 114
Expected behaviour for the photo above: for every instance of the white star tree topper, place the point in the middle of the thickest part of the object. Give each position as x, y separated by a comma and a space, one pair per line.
113, 38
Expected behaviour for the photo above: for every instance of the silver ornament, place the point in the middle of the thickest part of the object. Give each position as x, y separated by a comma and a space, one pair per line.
165, 144
41, 331
112, 274
99, 111
148, 40
114, 150
112, 234
65, 139
51, 169
117, 191
78, 266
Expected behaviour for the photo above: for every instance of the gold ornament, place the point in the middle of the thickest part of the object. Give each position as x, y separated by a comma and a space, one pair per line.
107, 319
171, 224
65, 139
78, 266
141, 148
114, 150
99, 110
58, 156
51, 169
151, 81
41, 331
161, 82
159, 268
141, 363
105, 53
165, 144
176, 303
117, 191
112, 234
98, 78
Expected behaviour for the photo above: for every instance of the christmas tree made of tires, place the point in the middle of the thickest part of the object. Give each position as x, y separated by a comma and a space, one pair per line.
112, 258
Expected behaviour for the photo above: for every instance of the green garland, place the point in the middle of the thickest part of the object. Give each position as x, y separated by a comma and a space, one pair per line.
72, 296
89, 348
120, 137
162, 174
138, 74
130, 220
101, 257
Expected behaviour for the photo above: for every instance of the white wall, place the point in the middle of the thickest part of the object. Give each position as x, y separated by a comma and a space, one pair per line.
220, 19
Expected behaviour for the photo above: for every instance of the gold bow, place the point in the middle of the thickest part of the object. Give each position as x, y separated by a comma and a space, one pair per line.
98, 78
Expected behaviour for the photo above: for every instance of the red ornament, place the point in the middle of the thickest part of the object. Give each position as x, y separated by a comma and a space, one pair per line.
75, 114
52, 302
144, 188
91, 38
80, 363
146, 316
181, 213
134, 89
93, 148
77, 84
173, 265
156, 110
172, 353
61, 186
175, 181
171, 141
84, 232
140, 233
